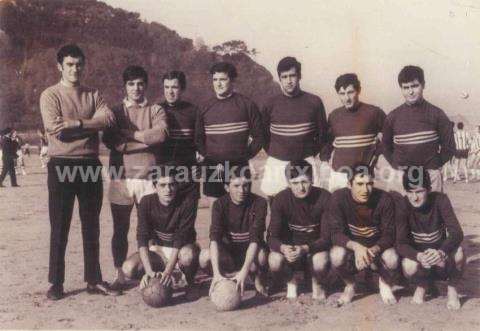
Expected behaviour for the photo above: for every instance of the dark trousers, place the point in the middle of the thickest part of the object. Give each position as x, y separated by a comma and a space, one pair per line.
121, 225
8, 169
61, 198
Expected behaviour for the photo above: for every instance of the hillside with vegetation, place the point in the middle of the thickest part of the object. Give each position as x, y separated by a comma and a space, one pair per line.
31, 31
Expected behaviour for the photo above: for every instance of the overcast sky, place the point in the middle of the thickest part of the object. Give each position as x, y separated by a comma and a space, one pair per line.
375, 39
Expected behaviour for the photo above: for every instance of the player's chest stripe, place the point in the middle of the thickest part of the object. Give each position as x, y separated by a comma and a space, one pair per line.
426, 238
363, 231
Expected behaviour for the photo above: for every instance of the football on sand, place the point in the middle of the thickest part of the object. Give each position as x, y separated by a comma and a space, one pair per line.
225, 295
155, 294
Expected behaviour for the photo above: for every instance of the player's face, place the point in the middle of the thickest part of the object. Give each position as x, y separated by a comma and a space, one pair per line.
166, 190
222, 84
361, 188
71, 69
239, 189
290, 81
417, 196
412, 91
348, 96
300, 186
172, 90
135, 89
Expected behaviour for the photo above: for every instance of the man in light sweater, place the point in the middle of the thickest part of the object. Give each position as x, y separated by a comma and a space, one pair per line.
133, 142
72, 115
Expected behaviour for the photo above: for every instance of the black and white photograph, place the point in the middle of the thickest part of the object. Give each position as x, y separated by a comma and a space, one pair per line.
239, 165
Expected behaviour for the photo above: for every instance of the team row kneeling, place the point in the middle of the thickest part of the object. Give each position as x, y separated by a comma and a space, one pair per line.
358, 228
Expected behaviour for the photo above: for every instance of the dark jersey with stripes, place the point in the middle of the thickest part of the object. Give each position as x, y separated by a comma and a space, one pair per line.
170, 226
295, 127
179, 147
224, 127
352, 135
418, 135
236, 226
370, 224
296, 221
434, 225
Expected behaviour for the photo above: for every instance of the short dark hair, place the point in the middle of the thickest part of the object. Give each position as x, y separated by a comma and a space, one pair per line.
225, 67
346, 80
460, 125
288, 63
70, 50
297, 168
414, 177
360, 169
174, 74
238, 172
409, 74
163, 171
135, 72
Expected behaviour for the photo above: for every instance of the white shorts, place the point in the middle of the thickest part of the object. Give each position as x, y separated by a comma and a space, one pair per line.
390, 179
129, 191
179, 279
274, 180
337, 180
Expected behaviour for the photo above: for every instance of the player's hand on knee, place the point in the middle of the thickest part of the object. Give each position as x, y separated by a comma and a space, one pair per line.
373, 251
362, 258
433, 256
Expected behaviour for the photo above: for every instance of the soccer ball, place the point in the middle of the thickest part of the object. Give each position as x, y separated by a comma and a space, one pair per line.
155, 294
225, 295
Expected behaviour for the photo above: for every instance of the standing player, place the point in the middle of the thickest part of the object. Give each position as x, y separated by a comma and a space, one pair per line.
179, 149
224, 126
295, 127
429, 237
475, 154
462, 143
353, 132
363, 231
165, 234
140, 126
298, 234
9, 154
72, 114
417, 132
236, 234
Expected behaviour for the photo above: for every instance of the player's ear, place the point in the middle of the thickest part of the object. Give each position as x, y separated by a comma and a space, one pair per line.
227, 188
59, 67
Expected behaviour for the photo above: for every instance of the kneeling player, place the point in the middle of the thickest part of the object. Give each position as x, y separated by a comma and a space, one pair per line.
297, 235
169, 223
362, 225
429, 237
236, 233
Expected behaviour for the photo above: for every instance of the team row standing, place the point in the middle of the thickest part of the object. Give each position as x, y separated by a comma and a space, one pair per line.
229, 128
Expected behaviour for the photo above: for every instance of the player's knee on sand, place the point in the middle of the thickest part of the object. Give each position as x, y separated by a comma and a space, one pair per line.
390, 259
409, 267
276, 261
337, 256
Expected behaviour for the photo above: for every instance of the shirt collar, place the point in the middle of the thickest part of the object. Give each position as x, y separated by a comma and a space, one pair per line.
129, 103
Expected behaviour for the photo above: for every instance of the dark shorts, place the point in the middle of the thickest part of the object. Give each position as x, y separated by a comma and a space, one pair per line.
461, 153
214, 181
234, 256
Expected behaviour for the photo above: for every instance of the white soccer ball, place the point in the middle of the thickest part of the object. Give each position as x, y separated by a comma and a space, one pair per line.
225, 295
